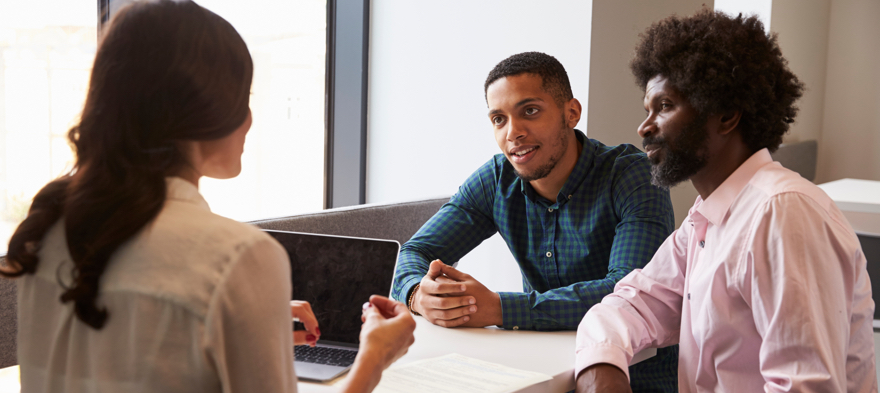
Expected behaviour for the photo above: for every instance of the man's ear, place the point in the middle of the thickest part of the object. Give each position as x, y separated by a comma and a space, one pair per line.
573, 111
728, 122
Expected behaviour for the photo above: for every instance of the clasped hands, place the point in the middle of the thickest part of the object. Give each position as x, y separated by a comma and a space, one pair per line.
450, 298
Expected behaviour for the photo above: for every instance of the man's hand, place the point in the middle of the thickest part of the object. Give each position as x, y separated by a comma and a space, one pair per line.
449, 298
602, 377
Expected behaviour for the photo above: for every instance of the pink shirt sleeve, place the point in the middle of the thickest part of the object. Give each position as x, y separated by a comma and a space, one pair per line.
643, 311
801, 278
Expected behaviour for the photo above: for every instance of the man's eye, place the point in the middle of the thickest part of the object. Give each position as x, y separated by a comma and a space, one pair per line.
665, 105
531, 111
497, 120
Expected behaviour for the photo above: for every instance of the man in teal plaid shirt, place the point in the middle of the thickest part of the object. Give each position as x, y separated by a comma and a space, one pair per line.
577, 215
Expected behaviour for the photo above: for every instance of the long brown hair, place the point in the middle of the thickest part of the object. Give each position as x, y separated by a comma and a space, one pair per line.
165, 72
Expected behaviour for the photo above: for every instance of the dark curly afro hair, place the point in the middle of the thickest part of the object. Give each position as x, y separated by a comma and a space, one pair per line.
723, 64
554, 79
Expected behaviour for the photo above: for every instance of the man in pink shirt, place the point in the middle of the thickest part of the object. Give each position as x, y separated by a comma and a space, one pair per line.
764, 286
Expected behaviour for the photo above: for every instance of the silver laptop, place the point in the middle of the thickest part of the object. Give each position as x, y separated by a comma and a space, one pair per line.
336, 275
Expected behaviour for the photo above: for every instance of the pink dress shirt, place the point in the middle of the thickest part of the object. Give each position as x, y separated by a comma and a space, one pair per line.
764, 287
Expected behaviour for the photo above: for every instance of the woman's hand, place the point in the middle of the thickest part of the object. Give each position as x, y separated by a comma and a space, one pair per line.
387, 331
386, 335
302, 311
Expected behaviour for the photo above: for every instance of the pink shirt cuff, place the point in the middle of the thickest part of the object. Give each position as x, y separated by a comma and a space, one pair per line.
600, 353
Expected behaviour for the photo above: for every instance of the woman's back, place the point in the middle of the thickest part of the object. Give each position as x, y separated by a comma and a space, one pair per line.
196, 302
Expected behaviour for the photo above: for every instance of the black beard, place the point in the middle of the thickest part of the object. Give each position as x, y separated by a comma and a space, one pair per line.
682, 160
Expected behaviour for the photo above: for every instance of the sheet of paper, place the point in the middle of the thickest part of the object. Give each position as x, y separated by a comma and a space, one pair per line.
455, 373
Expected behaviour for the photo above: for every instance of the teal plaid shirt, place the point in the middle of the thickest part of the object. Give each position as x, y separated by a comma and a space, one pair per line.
606, 221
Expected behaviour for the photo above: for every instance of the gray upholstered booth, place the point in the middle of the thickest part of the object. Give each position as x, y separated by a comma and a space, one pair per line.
8, 321
397, 221
799, 157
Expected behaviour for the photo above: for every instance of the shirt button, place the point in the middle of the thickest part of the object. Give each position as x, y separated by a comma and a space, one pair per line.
550, 210
516, 328
702, 243
549, 254
569, 197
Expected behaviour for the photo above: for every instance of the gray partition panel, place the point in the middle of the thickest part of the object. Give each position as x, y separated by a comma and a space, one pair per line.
800, 157
398, 221
8, 321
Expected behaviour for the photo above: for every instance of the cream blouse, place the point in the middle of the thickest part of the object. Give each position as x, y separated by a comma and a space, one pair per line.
196, 302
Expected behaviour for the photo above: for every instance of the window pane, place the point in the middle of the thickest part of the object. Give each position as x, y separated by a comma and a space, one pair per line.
283, 161
46, 53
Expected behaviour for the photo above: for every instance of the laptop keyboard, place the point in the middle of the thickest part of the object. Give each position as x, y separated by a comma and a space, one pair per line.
324, 355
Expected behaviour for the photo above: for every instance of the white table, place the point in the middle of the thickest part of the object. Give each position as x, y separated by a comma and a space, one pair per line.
550, 353
859, 200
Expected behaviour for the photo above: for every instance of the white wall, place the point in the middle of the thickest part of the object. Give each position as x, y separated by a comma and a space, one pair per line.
428, 128
832, 47
850, 140
761, 8
616, 108
802, 26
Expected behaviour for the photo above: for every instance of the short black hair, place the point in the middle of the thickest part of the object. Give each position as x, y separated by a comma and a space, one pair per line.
554, 79
720, 64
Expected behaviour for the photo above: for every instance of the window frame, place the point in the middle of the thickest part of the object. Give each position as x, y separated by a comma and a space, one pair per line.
348, 38
346, 92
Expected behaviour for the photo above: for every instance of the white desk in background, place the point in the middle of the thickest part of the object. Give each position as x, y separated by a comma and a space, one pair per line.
550, 353
859, 200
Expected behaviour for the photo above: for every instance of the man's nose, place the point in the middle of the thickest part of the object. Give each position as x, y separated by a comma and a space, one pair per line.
648, 127
515, 130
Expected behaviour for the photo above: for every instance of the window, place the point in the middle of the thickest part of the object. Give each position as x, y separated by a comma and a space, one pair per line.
283, 161
46, 54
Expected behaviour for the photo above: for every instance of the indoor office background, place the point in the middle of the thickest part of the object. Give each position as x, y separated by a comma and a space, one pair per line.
382, 101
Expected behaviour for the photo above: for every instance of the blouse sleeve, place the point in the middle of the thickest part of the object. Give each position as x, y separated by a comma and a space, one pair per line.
248, 329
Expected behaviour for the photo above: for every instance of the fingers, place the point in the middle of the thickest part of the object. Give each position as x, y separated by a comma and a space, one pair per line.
302, 337
450, 323
303, 311
455, 311
454, 274
364, 309
435, 269
439, 286
372, 313
389, 308
435, 283
446, 280
446, 303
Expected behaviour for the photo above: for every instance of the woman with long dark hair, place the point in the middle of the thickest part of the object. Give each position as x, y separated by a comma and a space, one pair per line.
128, 281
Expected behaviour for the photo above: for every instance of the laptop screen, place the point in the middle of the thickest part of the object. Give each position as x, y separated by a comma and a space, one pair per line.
336, 275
